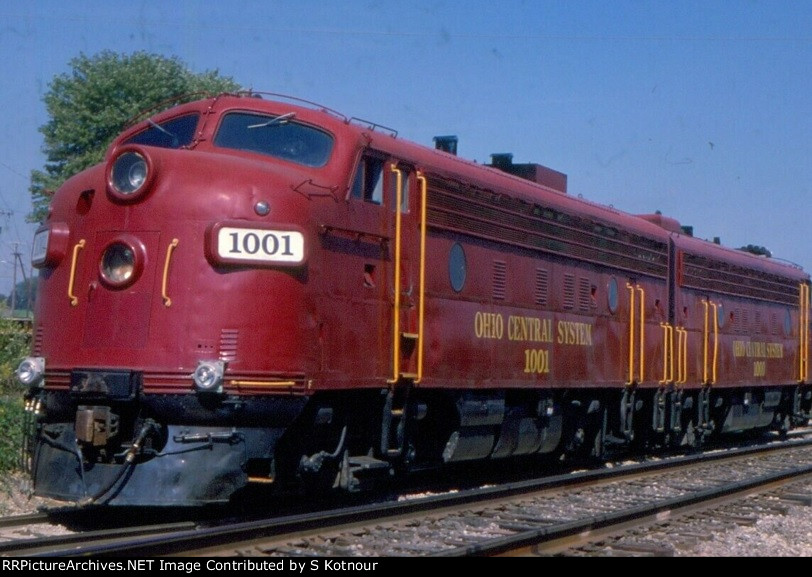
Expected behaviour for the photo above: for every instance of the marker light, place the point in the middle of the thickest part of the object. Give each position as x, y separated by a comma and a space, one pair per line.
208, 376
30, 371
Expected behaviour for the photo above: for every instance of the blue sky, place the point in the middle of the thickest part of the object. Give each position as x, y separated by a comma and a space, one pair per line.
698, 109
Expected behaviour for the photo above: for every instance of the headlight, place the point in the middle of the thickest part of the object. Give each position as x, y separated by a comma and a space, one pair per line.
118, 263
129, 175
31, 371
208, 376
121, 262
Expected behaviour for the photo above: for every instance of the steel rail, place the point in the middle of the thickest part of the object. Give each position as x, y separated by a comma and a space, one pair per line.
187, 541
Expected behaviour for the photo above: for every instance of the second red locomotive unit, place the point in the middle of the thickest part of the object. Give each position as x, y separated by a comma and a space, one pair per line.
261, 291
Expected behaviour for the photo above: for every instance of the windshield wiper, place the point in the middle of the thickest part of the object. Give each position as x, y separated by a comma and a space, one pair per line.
283, 119
165, 131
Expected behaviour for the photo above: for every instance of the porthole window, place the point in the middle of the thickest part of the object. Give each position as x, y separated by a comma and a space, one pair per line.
612, 295
457, 267
720, 315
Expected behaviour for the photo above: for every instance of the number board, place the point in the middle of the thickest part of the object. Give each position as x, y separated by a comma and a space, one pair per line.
235, 244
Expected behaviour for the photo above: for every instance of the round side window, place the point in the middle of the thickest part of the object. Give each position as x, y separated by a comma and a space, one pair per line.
612, 295
457, 267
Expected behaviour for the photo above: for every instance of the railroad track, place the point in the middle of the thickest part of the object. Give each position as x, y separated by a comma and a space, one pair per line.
525, 518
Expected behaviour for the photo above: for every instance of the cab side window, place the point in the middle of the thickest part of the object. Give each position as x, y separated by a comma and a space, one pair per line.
368, 183
405, 179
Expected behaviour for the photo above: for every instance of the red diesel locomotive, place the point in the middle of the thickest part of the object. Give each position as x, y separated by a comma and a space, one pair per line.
263, 291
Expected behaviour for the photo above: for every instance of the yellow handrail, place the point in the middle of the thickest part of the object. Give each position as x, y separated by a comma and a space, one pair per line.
715, 339
641, 341
421, 309
682, 356
74, 300
806, 334
710, 380
803, 333
642, 332
396, 315
705, 345
668, 353
169, 250
631, 333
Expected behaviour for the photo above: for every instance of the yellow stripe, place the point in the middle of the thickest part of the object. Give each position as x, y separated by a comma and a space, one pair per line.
263, 383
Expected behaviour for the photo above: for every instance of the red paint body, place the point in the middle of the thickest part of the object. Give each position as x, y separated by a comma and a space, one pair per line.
558, 294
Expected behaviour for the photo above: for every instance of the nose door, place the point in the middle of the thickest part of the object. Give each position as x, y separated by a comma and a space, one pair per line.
117, 287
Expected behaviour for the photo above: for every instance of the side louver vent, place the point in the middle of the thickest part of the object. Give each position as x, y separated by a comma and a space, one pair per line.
542, 286
569, 291
499, 280
228, 344
37, 343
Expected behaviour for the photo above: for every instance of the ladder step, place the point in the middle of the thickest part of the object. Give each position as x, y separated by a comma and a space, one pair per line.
263, 480
414, 336
365, 463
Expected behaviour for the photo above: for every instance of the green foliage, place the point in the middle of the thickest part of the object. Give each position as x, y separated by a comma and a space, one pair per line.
89, 107
15, 338
22, 296
11, 432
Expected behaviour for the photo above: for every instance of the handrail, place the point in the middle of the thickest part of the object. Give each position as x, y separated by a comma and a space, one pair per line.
169, 250
682, 356
705, 345
803, 333
710, 379
668, 353
74, 300
642, 332
641, 340
422, 282
806, 334
396, 315
715, 339
631, 333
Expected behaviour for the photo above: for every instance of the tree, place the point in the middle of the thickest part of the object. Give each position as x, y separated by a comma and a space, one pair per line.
21, 299
90, 105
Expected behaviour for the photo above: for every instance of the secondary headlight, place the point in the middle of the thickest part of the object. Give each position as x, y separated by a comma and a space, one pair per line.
129, 175
31, 371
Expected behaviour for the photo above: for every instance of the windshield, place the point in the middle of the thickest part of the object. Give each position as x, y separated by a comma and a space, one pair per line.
276, 136
173, 133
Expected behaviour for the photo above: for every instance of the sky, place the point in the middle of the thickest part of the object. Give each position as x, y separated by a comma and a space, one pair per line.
698, 109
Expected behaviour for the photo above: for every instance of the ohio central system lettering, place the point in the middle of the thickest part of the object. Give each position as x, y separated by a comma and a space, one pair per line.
531, 329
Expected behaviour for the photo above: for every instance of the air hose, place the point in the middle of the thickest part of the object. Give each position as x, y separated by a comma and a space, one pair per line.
129, 463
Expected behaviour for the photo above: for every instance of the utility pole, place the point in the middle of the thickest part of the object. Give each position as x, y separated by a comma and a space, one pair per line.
14, 282
18, 259
8, 215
